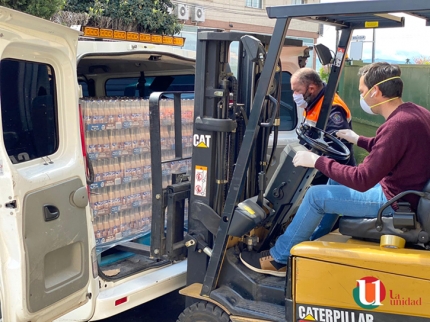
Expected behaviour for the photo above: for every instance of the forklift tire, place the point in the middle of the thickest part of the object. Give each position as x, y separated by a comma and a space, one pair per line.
203, 312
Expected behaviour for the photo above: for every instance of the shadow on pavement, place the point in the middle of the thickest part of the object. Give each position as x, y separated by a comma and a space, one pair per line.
164, 309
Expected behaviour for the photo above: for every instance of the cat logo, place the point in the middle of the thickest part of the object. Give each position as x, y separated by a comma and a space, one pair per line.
307, 318
201, 141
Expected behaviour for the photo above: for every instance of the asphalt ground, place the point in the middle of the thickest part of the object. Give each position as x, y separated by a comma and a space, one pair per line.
163, 309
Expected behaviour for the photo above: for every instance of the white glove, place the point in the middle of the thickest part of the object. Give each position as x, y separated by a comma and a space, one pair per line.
305, 159
348, 135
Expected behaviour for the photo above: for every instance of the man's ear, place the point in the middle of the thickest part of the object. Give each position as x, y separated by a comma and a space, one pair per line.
376, 91
312, 87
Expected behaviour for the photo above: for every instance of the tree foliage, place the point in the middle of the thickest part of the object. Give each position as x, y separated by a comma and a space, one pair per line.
78, 5
422, 60
40, 8
152, 16
324, 73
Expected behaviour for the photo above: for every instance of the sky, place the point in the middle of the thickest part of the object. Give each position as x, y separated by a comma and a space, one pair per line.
395, 44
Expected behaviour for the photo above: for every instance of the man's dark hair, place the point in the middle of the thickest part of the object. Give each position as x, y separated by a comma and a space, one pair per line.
378, 72
307, 76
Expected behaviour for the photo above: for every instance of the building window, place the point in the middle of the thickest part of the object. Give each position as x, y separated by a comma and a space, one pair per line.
254, 4
298, 1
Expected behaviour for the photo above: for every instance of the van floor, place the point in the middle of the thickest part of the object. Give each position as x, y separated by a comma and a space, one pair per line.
131, 264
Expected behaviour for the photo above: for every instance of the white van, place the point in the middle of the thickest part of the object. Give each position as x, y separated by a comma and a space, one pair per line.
65, 255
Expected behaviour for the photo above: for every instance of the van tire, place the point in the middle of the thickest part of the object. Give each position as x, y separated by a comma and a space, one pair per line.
203, 312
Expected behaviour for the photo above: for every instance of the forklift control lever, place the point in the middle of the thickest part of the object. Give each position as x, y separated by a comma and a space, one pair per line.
197, 243
277, 192
273, 114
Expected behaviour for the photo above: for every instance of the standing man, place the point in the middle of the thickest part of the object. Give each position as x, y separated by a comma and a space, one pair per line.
397, 161
308, 93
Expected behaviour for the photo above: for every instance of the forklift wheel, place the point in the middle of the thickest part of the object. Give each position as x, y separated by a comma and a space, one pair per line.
203, 312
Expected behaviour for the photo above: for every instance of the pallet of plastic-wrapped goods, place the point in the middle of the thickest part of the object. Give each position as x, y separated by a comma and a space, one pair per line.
118, 145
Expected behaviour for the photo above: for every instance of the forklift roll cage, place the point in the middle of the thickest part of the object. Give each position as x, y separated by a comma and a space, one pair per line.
346, 17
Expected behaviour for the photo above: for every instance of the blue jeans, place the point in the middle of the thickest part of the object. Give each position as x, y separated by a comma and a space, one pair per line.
319, 210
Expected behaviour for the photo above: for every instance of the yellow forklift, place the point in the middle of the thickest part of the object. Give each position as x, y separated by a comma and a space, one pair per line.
370, 270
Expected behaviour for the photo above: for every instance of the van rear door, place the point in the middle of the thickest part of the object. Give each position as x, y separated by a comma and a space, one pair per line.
45, 230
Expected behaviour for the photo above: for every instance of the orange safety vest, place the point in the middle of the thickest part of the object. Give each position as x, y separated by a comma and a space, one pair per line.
312, 115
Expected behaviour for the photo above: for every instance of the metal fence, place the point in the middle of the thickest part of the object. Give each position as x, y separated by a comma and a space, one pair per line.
416, 79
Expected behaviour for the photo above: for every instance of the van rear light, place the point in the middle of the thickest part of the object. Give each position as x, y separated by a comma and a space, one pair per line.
121, 301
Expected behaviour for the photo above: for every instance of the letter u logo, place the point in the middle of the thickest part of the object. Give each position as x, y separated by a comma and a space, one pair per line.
369, 293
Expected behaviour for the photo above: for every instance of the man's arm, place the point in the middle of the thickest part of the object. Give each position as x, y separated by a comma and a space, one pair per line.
337, 120
365, 143
387, 149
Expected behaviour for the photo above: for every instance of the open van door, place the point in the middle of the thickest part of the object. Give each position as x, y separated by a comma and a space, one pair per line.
45, 230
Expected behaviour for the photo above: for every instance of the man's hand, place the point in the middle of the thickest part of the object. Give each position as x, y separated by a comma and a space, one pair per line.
348, 135
305, 159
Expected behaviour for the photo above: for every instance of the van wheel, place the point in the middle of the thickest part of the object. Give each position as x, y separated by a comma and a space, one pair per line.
203, 312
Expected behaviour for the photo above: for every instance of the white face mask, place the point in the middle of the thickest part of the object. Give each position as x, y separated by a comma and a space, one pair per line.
300, 101
364, 106
368, 109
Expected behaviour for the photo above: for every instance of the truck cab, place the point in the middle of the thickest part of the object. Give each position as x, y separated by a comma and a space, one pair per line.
95, 167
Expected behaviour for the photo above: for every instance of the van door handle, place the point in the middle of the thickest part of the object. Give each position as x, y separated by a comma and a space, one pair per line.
51, 212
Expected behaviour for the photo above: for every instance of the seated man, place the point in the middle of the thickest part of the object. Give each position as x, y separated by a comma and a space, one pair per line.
397, 161
308, 94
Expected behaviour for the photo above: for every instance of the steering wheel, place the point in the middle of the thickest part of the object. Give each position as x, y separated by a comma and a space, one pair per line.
323, 142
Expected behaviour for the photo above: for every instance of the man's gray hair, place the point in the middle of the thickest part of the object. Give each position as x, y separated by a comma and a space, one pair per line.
307, 76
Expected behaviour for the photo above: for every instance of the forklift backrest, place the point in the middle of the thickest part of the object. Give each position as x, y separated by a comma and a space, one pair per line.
423, 211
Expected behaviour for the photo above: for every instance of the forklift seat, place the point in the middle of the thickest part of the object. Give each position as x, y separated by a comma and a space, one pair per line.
411, 226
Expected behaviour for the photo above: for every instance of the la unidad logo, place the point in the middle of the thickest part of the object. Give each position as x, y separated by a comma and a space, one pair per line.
369, 293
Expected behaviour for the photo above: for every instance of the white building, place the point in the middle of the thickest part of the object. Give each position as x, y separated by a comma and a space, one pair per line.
240, 15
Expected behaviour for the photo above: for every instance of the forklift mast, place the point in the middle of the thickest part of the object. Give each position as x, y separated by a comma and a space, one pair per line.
230, 141
234, 118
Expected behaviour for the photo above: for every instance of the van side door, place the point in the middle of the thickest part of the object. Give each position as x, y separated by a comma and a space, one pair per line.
45, 229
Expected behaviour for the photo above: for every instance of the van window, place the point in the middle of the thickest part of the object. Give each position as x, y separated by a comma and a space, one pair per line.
84, 85
128, 86
288, 111
28, 109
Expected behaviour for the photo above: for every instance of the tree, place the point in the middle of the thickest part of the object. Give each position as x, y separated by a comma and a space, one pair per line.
151, 16
80, 6
422, 60
324, 73
40, 8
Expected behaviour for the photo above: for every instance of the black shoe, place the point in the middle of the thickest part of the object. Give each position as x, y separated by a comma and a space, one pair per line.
263, 263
